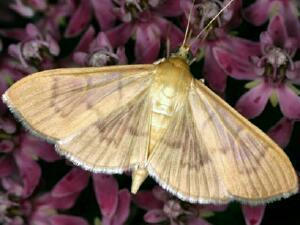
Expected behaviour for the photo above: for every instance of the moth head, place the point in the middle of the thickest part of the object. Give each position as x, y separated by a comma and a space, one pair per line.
184, 50
184, 53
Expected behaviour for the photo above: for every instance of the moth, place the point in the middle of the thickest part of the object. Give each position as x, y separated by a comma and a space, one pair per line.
156, 120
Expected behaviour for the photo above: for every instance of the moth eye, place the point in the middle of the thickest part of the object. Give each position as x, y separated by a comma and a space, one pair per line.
190, 57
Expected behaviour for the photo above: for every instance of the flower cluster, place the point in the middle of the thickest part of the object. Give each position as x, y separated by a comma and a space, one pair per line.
251, 52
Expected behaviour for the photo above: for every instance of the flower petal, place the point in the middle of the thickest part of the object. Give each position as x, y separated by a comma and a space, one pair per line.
161, 194
11, 186
67, 220
171, 32
53, 46
146, 200
29, 171
104, 13
106, 189
75, 181
170, 8
64, 202
257, 13
34, 147
38, 4
6, 146
8, 125
213, 73
294, 75
281, 132
85, 40
79, 20
252, 103
277, 31
121, 55
15, 51
147, 44
101, 42
19, 34
155, 216
122, 211
234, 65
80, 58
290, 14
119, 35
253, 214
20, 8
289, 102
241, 47
32, 31
6, 166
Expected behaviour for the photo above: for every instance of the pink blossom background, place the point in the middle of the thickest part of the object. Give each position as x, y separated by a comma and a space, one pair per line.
251, 57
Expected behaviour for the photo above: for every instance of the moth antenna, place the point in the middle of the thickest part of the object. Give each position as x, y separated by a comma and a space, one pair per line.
187, 31
212, 20
168, 48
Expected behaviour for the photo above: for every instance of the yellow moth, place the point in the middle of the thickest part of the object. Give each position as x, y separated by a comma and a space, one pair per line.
156, 120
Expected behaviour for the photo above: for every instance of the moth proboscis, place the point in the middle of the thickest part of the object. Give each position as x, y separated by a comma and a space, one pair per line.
156, 120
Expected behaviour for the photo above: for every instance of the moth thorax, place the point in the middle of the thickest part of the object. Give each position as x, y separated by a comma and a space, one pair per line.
180, 63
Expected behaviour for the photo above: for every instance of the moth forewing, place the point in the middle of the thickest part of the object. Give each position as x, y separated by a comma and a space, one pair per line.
57, 103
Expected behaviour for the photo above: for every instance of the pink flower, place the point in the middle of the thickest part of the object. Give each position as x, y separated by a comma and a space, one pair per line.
29, 7
282, 131
35, 48
143, 20
16, 210
146, 23
10, 71
67, 190
114, 204
162, 206
272, 70
50, 23
98, 51
253, 214
260, 11
81, 16
18, 166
